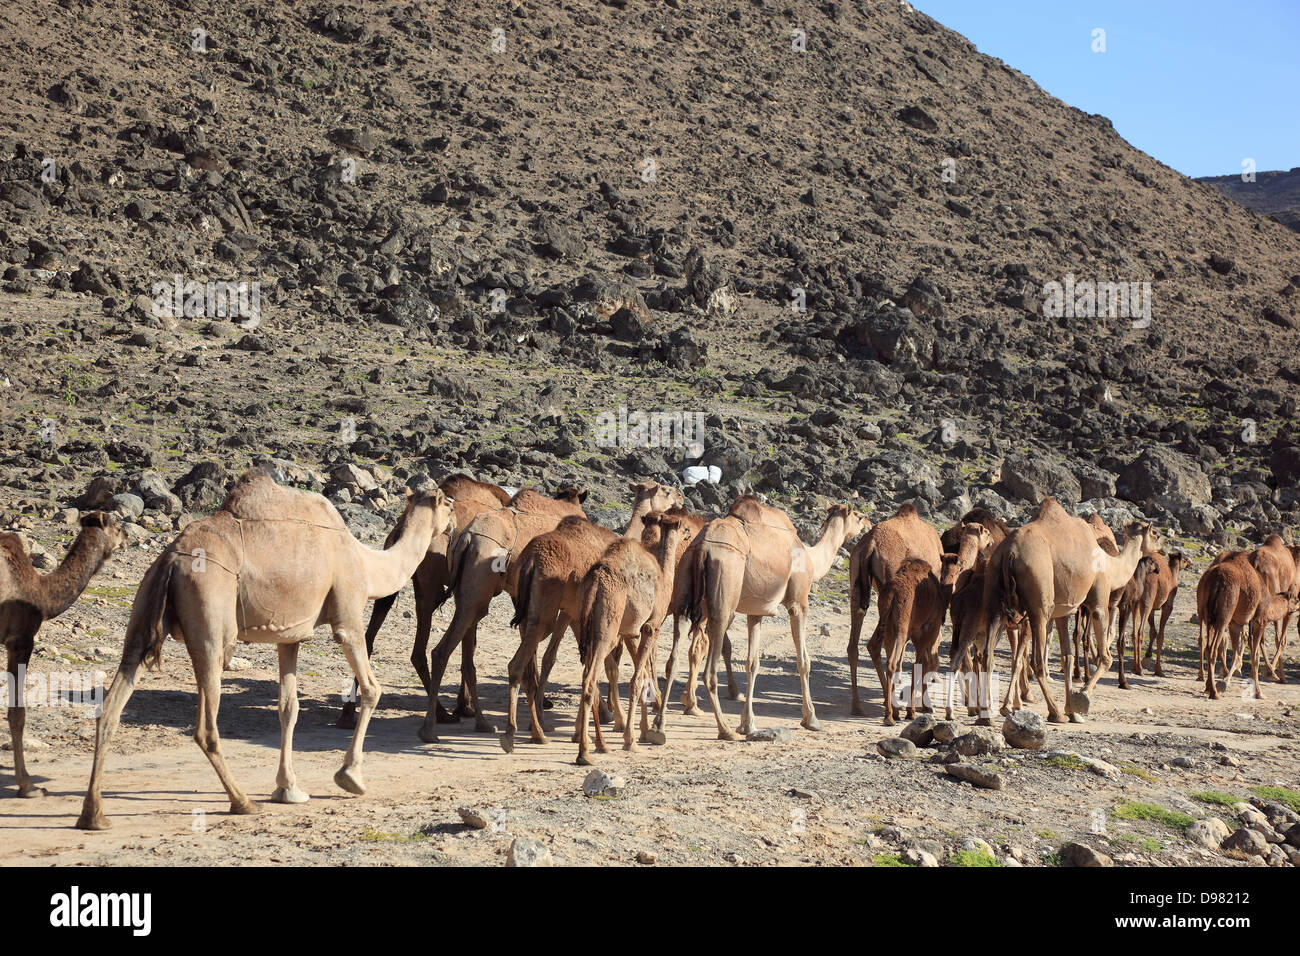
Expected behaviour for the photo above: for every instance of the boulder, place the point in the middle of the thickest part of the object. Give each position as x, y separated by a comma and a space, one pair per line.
1080, 854
1024, 730
1163, 471
525, 851
896, 747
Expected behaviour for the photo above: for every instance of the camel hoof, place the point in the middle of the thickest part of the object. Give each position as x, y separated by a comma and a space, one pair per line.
658, 722
246, 808
463, 710
508, 743
96, 821
32, 793
1122, 685
733, 691
656, 736
691, 710
350, 781
539, 738
347, 721
812, 723
1158, 671
428, 735
725, 734
1076, 718
446, 717
631, 747
888, 721
482, 726
857, 710
583, 760
289, 795
1057, 719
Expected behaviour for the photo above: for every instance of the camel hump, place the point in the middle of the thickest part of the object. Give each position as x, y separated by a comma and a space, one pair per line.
256, 496
461, 486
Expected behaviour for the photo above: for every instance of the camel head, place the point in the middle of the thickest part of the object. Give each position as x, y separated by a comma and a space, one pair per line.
657, 497
444, 518
107, 527
1151, 539
972, 540
854, 523
571, 494
1179, 562
659, 528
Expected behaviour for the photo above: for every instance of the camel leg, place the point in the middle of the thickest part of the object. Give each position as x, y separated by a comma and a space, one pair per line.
1279, 668
697, 653
349, 775
1069, 690
119, 692
1121, 681
1257, 635
1238, 649
1104, 659
710, 674
587, 702
1038, 632
348, 717
562, 624
424, 607
20, 653
612, 661
470, 609
1165, 611
874, 647
803, 661
286, 784
521, 665
858, 615
206, 658
670, 670
469, 685
733, 690
754, 623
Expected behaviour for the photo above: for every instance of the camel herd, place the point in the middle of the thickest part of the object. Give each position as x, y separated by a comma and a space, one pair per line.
274, 563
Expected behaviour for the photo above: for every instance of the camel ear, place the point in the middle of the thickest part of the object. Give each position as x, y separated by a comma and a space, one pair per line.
582, 496
639, 486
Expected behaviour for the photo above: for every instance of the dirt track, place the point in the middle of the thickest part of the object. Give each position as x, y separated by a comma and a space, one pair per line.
695, 800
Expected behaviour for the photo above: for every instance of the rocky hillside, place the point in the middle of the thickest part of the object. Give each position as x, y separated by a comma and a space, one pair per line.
827, 229
1275, 194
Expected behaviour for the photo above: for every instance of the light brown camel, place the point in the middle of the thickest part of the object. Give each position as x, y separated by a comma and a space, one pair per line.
873, 562
699, 641
1229, 597
268, 567
1277, 571
545, 582
1279, 666
470, 498
1134, 596
1045, 570
28, 599
478, 563
912, 607
1158, 595
625, 596
1082, 627
950, 540
751, 562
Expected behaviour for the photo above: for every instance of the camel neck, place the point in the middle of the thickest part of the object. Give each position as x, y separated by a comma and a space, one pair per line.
388, 570
57, 590
822, 555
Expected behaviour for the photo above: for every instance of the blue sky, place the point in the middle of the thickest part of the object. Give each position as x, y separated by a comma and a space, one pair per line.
1198, 85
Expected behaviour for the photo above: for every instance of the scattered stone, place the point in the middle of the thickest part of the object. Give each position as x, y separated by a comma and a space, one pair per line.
896, 747
600, 784
1024, 730
978, 742
1080, 854
920, 731
239, 664
1209, 833
946, 731
978, 776
919, 857
525, 851
647, 857
1244, 844
778, 735
473, 817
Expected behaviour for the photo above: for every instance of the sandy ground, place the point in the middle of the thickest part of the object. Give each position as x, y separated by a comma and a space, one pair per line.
820, 798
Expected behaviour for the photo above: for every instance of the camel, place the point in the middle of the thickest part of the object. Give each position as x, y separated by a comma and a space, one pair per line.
873, 561
950, 540
1082, 628
1278, 571
752, 562
469, 499
1158, 595
28, 599
1228, 598
1136, 593
913, 604
625, 596
545, 581
268, 567
1043, 571
478, 562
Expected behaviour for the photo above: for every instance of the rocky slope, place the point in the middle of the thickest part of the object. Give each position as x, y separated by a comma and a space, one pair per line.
476, 232
1275, 194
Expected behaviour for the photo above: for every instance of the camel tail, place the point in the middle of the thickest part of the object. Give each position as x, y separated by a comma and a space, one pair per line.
149, 628
522, 594
697, 595
602, 610
455, 564
896, 609
1220, 603
860, 586
1009, 601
